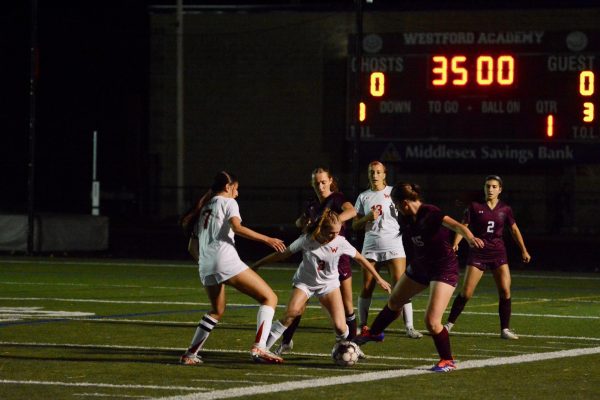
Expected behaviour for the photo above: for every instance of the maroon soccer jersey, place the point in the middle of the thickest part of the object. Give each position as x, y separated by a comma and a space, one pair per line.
488, 225
314, 209
429, 251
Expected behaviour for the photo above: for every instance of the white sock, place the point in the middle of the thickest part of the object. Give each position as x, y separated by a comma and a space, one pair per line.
363, 310
343, 336
264, 319
205, 327
408, 315
276, 331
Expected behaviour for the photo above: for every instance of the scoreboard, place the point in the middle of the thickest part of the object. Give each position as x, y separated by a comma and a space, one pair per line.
536, 87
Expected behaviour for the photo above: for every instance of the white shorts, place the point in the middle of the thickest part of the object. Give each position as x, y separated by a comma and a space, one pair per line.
385, 255
318, 291
220, 277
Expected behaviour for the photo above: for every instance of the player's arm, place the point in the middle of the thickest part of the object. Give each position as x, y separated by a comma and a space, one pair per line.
302, 221
360, 221
240, 230
362, 261
348, 212
462, 230
193, 248
271, 258
516, 234
457, 238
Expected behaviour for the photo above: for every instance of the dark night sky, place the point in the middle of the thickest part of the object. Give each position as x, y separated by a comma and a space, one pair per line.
93, 74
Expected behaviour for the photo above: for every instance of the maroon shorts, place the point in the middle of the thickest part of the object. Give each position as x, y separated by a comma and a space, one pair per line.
345, 267
424, 274
486, 263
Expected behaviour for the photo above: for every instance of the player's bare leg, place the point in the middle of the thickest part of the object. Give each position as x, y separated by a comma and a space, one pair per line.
503, 282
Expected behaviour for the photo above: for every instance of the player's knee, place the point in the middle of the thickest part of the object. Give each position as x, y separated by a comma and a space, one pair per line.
433, 326
467, 294
396, 304
294, 312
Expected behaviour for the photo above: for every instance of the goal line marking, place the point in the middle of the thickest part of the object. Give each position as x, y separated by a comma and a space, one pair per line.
375, 376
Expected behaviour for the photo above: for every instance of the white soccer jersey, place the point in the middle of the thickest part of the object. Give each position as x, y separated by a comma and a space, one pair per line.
319, 266
215, 238
383, 234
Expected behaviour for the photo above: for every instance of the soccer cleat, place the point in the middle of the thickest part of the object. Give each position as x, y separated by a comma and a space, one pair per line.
508, 334
190, 359
366, 336
284, 348
264, 356
413, 333
444, 366
448, 326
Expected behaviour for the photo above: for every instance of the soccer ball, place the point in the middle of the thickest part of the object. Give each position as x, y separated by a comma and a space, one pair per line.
345, 353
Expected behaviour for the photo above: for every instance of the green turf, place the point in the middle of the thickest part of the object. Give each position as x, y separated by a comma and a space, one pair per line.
122, 326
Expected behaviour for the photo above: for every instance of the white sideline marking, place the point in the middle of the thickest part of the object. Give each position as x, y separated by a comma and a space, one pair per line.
579, 278
181, 349
183, 264
375, 376
108, 395
535, 315
311, 306
91, 384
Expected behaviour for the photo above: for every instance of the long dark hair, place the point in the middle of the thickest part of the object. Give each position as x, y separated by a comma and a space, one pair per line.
406, 191
221, 180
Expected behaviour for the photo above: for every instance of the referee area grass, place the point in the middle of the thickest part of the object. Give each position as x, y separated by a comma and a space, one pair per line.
93, 329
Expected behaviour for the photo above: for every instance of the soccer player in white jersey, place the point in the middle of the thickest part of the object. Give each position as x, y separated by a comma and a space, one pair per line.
318, 275
212, 223
382, 246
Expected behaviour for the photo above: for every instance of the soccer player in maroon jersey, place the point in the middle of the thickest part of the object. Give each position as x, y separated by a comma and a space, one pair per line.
432, 263
487, 220
329, 197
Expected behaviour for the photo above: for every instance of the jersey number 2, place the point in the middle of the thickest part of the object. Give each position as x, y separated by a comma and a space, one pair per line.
490, 227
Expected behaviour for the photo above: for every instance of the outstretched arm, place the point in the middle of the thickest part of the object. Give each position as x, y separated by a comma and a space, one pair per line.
516, 234
362, 261
240, 230
271, 258
462, 230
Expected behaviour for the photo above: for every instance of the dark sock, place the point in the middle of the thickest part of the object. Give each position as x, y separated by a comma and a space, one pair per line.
289, 332
383, 320
442, 344
504, 309
351, 322
458, 305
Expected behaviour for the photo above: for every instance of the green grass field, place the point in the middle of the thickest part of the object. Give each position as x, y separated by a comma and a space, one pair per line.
85, 329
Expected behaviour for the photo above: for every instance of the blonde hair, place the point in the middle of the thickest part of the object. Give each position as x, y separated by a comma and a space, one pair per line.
329, 218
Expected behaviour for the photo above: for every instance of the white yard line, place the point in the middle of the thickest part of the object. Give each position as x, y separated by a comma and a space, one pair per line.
184, 264
200, 304
375, 376
100, 385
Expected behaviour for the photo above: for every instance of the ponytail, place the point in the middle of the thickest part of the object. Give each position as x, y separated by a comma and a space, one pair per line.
189, 219
406, 191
